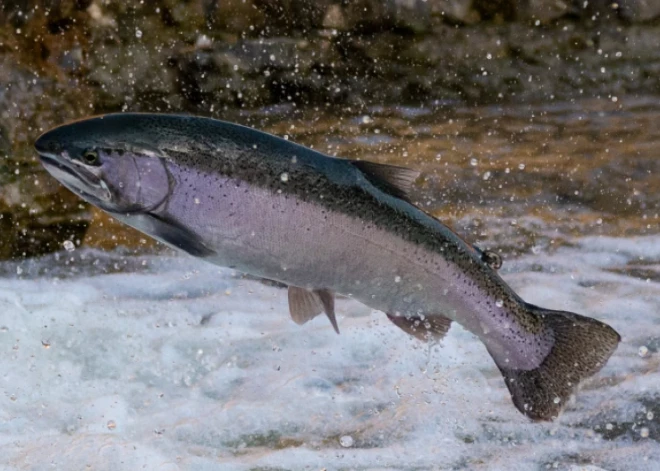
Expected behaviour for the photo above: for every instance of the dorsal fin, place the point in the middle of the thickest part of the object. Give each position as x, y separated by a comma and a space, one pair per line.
305, 305
431, 328
394, 180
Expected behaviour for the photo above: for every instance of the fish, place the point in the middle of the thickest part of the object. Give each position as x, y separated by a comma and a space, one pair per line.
323, 226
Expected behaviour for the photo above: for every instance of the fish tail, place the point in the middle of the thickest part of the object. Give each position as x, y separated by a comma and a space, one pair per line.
581, 347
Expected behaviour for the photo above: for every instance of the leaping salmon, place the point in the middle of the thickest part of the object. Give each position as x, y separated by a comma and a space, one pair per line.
244, 199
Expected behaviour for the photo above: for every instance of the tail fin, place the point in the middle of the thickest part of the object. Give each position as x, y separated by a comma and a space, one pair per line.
581, 347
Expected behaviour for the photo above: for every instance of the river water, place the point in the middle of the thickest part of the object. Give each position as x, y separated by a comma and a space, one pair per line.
128, 359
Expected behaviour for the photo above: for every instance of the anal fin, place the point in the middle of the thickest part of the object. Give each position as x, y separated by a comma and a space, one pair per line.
305, 304
430, 328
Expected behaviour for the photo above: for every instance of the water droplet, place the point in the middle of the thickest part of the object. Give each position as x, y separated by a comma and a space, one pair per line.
486, 175
397, 279
473, 162
643, 351
556, 400
499, 303
111, 425
609, 427
649, 415
138, 33
521, 166
196, 200
68, 246
346, 441
284, 177
644, 432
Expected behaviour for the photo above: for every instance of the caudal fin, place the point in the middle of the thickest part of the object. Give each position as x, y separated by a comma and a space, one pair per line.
581, 347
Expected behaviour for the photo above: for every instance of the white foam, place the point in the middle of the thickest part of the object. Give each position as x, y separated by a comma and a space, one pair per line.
182, 365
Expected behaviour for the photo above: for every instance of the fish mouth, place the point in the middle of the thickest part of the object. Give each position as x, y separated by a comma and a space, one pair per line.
76, 178
51, 162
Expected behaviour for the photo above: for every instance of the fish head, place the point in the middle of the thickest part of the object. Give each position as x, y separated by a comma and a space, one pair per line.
105, 165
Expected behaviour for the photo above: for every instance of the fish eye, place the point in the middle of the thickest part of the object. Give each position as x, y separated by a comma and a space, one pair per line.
90, 157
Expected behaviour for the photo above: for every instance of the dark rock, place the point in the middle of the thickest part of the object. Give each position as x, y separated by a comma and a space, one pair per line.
289, 15
502, 10
454, 11
379, 15
36, 213
638, 11
544, 11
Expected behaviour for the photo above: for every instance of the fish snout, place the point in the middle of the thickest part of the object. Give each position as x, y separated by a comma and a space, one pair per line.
46, 145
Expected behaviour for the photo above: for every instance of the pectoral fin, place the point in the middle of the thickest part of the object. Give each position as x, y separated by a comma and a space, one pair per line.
172, 233
430, 328
305, 304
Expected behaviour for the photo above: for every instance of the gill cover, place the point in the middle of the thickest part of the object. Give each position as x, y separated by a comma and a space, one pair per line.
138, 183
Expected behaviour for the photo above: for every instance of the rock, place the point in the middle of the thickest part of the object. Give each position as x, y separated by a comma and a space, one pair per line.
543, 10
334, 18
639, 11
379, 15
454, 11
501, 10
36, 213
288, 15
237, 16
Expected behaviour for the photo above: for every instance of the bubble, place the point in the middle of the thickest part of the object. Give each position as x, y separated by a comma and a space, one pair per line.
473, 162
68, 246
649, 415
499, 303
346, 441
643, 351
138, 33
644, 432
397, 279
111, 425
556, 400
284, 177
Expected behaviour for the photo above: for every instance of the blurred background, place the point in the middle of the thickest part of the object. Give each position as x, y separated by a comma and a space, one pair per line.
531, 119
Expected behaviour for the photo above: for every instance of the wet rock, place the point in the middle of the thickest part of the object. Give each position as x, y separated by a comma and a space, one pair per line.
544, 11
454, 11
638, 11
36, 213
378, 15
334, 18
499, 10
288, 15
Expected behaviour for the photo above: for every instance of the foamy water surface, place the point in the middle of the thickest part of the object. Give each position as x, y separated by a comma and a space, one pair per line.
168, 363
